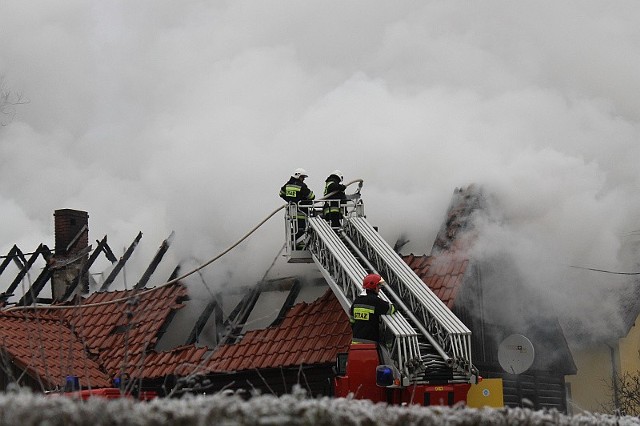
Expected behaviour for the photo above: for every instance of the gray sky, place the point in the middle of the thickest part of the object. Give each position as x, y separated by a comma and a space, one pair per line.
159, 115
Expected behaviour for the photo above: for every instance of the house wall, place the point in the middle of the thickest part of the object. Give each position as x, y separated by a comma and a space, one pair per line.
591, 387
533, 389
494, 308
630, 350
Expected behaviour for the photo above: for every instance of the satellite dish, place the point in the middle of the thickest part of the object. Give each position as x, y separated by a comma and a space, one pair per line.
515, 354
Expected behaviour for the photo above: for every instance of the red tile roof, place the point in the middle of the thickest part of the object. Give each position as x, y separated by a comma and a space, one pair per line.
180, 361
123, 326
443, 273
46, 348
119, 329
314, 333
309, 334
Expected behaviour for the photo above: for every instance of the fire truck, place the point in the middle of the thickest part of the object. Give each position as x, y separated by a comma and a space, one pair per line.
430, 348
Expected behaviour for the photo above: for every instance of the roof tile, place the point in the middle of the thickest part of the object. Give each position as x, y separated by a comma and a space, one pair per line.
97, 320
302, 336
21, 332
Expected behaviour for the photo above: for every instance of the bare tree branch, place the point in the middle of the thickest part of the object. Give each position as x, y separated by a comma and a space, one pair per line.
628, 395
9, 100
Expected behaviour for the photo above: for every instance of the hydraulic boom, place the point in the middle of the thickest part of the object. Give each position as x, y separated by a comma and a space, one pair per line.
427, 342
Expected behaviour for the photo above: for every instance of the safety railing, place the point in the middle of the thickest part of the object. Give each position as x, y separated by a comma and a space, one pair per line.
298, 250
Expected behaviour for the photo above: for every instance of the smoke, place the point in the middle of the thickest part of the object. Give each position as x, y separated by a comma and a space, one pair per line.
156, 116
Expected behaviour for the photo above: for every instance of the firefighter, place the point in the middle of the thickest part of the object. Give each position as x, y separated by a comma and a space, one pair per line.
296, 191
366, 309
334, 189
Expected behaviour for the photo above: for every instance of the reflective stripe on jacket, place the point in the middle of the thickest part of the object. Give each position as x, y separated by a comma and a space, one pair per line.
364, 315
295, 191
333, 186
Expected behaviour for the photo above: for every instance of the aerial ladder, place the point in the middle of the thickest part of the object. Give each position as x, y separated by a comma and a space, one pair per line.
430, 347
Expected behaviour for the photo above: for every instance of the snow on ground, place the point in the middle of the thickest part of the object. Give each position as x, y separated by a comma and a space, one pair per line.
27, 409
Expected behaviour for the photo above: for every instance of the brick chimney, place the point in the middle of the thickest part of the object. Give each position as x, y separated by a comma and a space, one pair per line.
71, 252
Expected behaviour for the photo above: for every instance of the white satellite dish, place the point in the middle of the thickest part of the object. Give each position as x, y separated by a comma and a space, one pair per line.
515, 354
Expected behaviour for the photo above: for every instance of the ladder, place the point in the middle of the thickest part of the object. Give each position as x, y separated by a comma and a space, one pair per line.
427, 342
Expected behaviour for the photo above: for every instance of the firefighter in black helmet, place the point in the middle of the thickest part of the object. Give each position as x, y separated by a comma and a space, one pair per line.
334, 191
296, 191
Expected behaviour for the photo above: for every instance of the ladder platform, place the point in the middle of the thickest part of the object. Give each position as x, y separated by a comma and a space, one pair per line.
300, 256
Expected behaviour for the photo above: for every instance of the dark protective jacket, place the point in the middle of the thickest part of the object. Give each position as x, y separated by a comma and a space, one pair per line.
364, 316
295, 191
332, 208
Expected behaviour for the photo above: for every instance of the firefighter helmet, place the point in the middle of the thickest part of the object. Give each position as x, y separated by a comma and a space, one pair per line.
372, 282
337, 173
299, 172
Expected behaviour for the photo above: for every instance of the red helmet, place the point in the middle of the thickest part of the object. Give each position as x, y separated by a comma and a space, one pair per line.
372, 281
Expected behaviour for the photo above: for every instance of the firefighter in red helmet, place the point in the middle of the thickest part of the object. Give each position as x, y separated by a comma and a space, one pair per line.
366, 309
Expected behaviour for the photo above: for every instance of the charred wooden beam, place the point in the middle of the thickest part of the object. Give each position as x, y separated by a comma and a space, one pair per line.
214, 305
76, 238
291, 300
100, 248
120, 264
16, 255
42, 249
238, 317
13, 255
31, 296
175, 273
154, 263
108, 252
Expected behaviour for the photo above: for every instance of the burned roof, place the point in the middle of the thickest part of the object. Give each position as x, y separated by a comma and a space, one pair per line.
45, 347
458, 224
310, 333
99, 337
443, 274
122, 327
